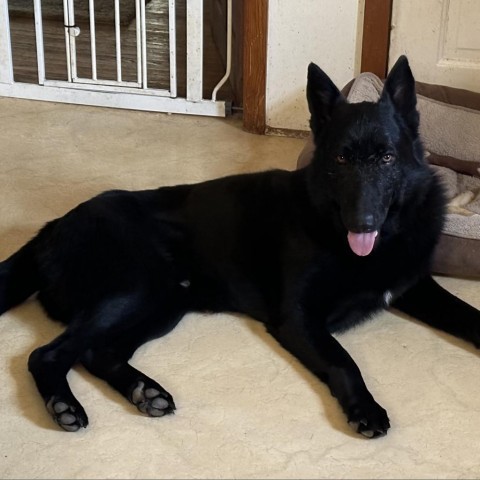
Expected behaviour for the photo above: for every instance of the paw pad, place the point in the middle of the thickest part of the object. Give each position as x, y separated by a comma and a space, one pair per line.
68, 416
152, 401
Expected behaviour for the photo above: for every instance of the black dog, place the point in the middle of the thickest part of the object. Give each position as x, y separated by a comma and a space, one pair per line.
306, 252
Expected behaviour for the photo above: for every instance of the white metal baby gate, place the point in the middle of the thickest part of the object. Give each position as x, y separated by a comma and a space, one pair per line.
118, 92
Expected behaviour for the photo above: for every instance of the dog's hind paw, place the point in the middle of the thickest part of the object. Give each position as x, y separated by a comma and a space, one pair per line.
71, 417
370, 420
152, 400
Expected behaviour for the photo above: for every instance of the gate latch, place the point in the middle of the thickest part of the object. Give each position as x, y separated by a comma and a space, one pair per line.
73, 30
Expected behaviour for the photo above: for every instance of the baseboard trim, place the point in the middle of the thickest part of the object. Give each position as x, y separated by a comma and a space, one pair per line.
287, 132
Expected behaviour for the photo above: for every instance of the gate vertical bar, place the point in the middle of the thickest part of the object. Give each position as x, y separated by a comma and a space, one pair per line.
172, 36
37, 12
6, 63
194, 50
93, 46
118, 41
69, 22
144, 44
138, 39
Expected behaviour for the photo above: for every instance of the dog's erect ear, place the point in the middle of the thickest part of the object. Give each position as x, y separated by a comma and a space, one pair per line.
400, 90
322, 96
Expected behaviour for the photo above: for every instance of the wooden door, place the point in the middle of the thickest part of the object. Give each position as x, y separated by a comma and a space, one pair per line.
441, 40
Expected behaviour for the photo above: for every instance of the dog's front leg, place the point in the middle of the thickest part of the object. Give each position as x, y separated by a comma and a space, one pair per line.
325, 357
429, 302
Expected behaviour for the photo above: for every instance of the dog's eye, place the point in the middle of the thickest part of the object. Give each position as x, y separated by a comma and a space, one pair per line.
341, 159
388, 158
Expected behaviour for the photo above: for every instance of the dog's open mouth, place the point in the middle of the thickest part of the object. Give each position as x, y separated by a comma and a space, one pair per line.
362, 243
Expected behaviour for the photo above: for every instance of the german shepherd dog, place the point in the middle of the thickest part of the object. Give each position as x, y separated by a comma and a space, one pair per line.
307, 252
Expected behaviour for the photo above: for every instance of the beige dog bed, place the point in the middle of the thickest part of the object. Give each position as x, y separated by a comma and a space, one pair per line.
450, 129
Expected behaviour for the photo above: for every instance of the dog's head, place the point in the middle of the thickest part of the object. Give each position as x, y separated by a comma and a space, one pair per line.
368, 155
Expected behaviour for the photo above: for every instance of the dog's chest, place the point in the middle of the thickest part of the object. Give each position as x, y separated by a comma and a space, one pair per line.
345, 290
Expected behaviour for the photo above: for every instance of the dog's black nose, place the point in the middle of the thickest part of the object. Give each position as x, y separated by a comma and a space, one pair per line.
363, 223
367, 223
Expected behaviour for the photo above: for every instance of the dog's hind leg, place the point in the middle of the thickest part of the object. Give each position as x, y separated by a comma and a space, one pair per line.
92, 329
321, 353
146, 394
49, 366
110, 363
430, 303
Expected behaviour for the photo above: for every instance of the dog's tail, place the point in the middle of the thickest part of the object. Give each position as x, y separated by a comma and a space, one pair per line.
18, 277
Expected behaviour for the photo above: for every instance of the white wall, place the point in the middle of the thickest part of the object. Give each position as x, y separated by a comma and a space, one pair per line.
327, 32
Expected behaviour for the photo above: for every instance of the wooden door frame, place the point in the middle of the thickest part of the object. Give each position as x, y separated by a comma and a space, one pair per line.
255, 30
376, 36
375, 45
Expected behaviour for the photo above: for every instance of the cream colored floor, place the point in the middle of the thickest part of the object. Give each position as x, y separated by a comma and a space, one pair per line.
246, 409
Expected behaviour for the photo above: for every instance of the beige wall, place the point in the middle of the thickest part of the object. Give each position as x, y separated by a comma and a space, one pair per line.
327, 32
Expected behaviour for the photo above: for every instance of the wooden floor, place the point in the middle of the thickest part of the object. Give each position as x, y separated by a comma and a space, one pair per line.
25, 58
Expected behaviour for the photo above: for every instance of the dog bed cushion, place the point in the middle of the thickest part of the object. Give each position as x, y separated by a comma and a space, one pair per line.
450, 130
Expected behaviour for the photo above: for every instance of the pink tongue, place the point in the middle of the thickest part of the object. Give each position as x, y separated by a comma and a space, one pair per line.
362, 243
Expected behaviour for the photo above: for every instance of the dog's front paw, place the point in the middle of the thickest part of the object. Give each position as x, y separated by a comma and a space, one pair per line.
152, 400
369, 419
69, 415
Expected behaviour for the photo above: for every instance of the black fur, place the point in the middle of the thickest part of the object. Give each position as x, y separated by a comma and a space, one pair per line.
295, 250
